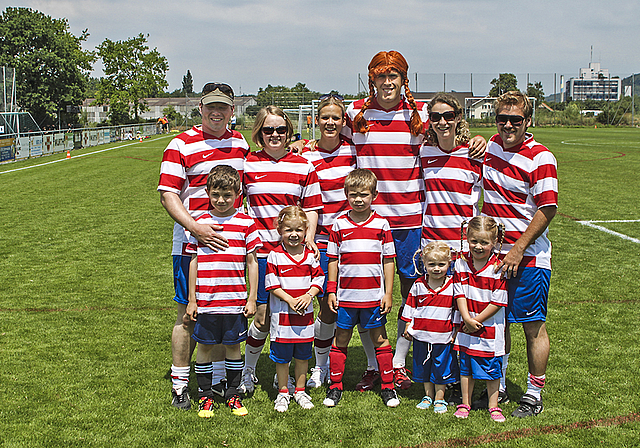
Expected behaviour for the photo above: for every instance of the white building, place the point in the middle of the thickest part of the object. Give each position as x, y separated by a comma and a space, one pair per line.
594, 83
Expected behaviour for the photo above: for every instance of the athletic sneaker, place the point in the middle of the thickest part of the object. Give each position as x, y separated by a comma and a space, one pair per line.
401, 378
205, 407
390, 397
333, 397
319, 376
180, 398
528, 406
303, 399
282, 402
483, 401
248, 381
291, 385
369, 379
455, 394
236, 406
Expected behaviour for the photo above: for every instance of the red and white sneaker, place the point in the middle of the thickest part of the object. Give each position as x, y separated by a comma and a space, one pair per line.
401, 378
369, 379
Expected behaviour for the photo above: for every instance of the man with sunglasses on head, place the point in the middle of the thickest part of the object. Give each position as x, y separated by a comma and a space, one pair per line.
521, 191
186, 162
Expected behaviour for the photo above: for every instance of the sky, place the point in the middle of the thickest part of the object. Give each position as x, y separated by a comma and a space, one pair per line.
452, 45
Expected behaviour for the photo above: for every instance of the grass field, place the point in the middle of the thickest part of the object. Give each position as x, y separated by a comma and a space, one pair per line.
86, 316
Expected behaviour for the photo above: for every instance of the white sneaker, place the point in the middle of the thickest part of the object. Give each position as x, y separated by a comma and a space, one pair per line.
319, 376
291, 385
282, 402
303, 400
248, 381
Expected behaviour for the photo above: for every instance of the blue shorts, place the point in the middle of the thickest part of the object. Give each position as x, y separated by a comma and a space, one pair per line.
528, 294
324, 264
434, 363
227, 329
283, 353
181, 278
263, 294
368, 318
407, 242
480, 368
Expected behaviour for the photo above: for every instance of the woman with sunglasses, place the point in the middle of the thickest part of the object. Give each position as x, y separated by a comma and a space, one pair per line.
333, 157
274, 178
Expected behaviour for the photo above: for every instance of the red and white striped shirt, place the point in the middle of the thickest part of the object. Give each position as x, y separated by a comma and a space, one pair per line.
295, 278
271, 185
453, 183
481, 288
186, 163
391, 152
517, 182
332, 167
220, 284
360, 250
430, 312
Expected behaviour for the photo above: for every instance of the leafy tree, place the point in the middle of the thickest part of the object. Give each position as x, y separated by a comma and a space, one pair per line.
286, 97
132, 73
172, 114
187, 83
535, 91
505, 82
51, 67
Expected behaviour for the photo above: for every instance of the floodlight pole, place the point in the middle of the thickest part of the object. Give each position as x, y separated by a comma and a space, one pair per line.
633, 84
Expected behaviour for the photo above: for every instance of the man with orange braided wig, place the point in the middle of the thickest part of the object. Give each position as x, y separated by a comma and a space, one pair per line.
388, 129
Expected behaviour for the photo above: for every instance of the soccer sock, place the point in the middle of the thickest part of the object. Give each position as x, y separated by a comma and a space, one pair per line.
299, 389
233, 368
204, 372
535, 385
322, 343
369, 349
180, 377
218, 372
384, 355
255, 342
337, 360
503, 380
402, 345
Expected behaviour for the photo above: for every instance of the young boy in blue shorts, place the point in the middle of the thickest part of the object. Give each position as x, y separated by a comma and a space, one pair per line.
218, 299
361, 255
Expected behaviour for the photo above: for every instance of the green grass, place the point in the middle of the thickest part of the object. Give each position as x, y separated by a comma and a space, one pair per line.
86, 315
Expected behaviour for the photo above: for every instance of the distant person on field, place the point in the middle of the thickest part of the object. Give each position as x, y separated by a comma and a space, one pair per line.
218, 301
521, 190
186, 162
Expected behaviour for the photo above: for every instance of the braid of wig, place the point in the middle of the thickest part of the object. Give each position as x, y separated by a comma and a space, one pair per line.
360, 123
416, 125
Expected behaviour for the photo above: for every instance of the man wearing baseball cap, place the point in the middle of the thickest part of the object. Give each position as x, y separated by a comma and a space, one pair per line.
186, 162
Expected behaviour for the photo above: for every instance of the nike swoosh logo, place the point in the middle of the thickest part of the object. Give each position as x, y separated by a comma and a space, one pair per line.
204, 156
335, 373
487, 159
260, 177
347, 234
379, 318
387, 372
446, 377
530, 313
243, 333
432, 160
286, 270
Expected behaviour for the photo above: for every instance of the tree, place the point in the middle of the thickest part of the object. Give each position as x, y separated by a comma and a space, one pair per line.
286, 97
132, 73
51, 67
187, 83
505, 82
536, 91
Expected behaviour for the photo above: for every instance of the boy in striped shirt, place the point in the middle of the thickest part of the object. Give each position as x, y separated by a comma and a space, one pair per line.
361, 254
218, 301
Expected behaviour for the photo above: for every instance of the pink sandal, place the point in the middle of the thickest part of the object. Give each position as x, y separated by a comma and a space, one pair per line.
496, 415
462, 411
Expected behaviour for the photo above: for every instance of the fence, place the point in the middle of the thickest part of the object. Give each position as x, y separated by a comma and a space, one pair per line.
37, 144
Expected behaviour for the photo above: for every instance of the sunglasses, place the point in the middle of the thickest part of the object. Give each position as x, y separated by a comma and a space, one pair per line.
213, 86
436, 116
268, 130
335, 96
516, 120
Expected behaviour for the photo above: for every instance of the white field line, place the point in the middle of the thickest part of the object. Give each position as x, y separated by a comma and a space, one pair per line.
72, 157
611, 232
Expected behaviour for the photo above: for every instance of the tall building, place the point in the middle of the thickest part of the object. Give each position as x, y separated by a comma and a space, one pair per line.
593, 83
